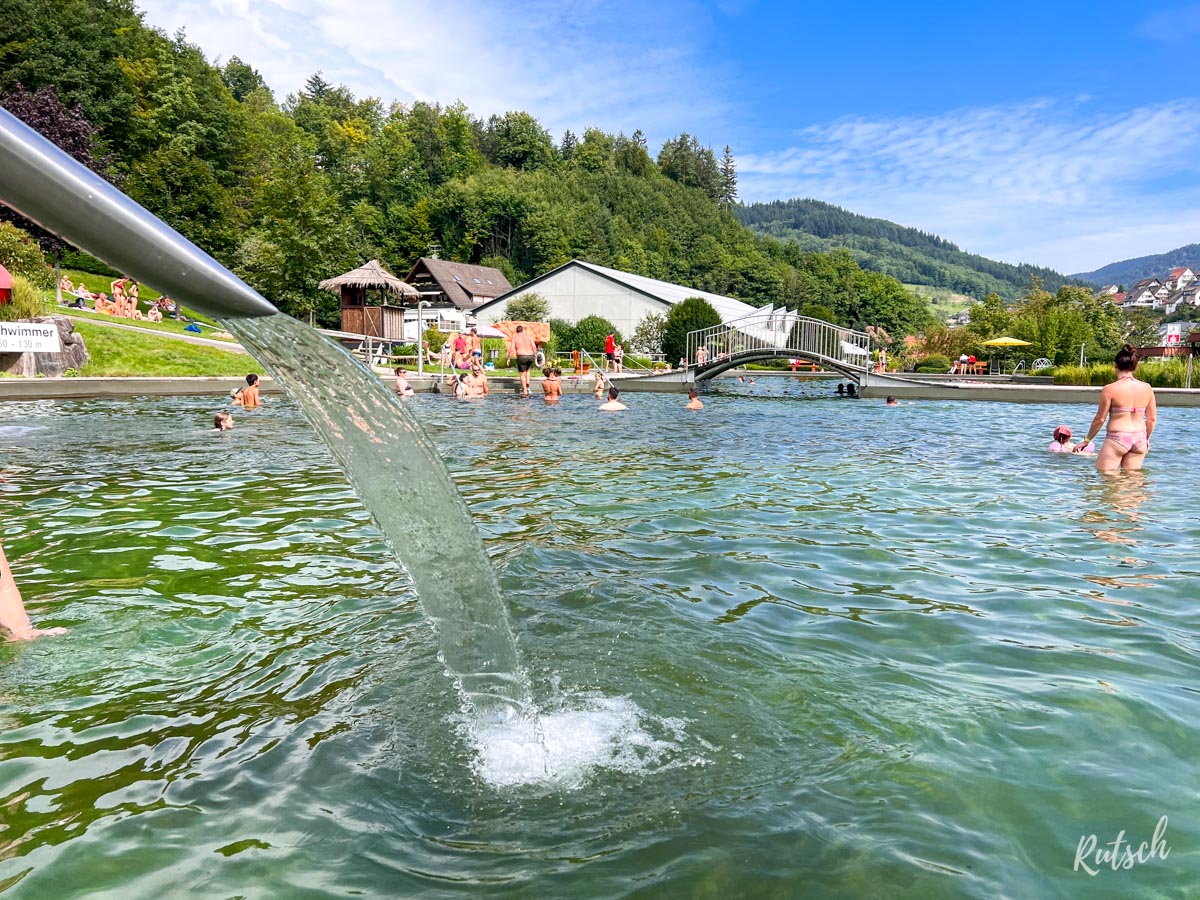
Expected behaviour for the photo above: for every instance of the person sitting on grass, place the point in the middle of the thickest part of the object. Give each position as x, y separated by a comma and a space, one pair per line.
154, 314
13, 617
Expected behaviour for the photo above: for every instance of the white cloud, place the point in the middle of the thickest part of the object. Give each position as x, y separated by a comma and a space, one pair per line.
1046, 182
1172, 26
573, 63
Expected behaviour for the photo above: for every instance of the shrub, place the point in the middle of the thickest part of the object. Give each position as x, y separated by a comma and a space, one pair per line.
435, 338
26, 302
1164, 374
934, 363
21, 255
591, 332
562, 336
692, 314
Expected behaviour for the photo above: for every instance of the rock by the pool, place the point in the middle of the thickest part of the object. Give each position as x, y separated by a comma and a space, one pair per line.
74, 354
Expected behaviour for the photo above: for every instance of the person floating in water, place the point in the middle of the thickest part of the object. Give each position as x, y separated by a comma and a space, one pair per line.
613, 403
694, 400
1062, 442
1132, 413
13, 617
891, 401
223, 421
247, 397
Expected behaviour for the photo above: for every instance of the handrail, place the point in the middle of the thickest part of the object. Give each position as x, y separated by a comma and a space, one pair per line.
781, 332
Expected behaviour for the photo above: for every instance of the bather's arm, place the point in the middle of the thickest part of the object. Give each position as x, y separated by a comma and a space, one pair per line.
12, 610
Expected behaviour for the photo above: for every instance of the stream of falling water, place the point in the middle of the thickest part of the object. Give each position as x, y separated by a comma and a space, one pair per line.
402, 480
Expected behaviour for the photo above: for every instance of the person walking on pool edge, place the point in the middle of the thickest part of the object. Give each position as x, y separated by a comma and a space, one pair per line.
13, 617
610, 351
525, 348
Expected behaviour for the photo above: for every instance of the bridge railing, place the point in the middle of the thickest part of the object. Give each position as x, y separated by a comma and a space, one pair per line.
781, 333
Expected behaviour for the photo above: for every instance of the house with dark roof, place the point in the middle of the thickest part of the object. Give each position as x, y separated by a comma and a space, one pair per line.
578, 289
466, 287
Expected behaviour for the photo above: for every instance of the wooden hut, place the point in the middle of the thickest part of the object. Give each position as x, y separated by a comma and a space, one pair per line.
365, 293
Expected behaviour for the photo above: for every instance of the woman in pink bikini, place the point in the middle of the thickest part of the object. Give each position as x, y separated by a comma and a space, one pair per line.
1128, 404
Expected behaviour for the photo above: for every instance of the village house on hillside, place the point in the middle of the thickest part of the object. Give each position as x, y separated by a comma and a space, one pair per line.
466, 287
1179, 286
1179, 278
578, 289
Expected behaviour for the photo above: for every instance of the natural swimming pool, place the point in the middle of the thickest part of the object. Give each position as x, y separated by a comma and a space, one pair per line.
848, 650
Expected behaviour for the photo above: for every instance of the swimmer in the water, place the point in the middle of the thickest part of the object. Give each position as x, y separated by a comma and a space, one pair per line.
613, 403
223, 421
13, 617
694, 400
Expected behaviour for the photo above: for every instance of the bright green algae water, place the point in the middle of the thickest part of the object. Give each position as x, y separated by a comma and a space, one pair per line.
783, 646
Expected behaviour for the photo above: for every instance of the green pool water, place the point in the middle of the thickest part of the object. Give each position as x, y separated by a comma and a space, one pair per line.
786, 646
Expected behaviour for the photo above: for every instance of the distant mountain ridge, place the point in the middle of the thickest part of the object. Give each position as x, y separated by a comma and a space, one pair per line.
1129, 271
909, 254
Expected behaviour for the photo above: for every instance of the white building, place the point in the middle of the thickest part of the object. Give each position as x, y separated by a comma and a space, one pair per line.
580, 289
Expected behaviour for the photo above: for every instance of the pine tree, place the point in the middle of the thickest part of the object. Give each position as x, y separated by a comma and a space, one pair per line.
567, 148
729, 193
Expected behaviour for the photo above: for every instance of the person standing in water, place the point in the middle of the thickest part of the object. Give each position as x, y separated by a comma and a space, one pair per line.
525, 348
247, 397
694, 400
13, 617
551, 384
613, 403
1129, 406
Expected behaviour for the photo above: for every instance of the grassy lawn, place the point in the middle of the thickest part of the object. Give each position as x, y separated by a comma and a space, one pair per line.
146, 295
121, 353
169, 325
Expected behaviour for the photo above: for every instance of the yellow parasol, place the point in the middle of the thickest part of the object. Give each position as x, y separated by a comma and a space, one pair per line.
1006, 342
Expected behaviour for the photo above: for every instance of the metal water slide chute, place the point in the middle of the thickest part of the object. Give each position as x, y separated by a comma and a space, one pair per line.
44, 184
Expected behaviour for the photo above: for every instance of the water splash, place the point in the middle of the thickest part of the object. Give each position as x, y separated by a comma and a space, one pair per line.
402, 480
580, 737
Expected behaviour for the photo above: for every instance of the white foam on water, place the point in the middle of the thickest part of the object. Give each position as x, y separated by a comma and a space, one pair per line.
565, 747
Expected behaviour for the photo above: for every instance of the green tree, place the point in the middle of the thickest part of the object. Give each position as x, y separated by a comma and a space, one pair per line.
591, 331
682, 159
648, 336
692, 314
818, 311
516, 139
728, 194
242, 79
990, 318
566, 149
21, 255
529, 307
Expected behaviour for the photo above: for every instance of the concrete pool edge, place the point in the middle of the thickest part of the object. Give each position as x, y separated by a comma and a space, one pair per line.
875, 387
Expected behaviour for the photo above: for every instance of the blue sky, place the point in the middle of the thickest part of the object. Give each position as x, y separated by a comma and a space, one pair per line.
1061, 133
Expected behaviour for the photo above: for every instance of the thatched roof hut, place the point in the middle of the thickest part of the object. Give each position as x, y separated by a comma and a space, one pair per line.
374, 316
370, 276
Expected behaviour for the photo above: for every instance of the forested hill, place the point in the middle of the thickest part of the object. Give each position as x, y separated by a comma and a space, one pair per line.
289, 192
913, 256
1128, 272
